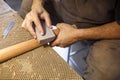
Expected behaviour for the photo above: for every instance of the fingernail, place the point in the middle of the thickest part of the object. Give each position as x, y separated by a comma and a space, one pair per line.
34, 37
41, 33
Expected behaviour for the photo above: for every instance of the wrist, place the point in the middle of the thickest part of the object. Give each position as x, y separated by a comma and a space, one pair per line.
37, 4
79, 33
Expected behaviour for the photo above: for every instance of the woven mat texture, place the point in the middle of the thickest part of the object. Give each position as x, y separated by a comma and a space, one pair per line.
42, 63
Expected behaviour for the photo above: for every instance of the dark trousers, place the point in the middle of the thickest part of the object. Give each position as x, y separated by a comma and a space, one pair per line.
103, 61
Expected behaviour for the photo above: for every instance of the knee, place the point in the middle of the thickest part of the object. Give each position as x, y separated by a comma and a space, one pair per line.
104, 58
106, 50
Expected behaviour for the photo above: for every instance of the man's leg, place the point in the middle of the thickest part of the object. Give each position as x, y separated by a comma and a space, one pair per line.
103, 62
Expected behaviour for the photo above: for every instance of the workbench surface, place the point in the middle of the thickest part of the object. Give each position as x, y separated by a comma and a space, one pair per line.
42, 63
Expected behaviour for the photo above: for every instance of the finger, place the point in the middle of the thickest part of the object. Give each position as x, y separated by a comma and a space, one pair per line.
46, 16
55, 43
48, 20
38, 25
31, 30
24, 24
32, 33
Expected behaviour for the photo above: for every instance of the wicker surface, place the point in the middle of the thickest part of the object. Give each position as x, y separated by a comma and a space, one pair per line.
42, 63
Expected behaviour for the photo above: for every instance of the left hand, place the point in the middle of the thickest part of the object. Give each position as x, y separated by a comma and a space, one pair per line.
35, 16
67, 35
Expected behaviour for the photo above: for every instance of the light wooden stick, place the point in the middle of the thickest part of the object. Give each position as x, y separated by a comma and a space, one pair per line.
20, 48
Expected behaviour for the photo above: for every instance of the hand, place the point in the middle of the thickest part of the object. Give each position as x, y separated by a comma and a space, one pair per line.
34, 16
67, 35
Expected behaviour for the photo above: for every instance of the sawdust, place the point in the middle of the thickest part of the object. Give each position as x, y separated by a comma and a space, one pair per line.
13, 75
39, 64
26, 66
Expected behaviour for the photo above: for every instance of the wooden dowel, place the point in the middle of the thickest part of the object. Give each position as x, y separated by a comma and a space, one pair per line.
20, 48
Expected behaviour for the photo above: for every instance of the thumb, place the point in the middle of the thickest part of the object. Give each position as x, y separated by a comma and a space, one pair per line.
55, 43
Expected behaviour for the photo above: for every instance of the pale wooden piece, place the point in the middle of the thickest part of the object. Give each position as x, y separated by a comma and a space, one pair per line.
20, 48
15, 50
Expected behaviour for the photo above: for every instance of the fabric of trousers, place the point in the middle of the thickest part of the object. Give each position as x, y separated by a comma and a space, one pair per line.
103, 60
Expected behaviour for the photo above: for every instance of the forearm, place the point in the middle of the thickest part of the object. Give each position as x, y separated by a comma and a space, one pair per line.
36, 3
107, 31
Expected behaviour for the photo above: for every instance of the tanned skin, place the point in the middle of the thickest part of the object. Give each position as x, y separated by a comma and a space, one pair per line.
68, 34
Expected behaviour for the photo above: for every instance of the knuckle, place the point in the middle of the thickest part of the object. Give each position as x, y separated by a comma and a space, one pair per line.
33, 14
27, 15
23, 26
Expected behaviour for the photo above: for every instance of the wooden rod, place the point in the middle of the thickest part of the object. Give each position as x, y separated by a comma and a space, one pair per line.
20, 48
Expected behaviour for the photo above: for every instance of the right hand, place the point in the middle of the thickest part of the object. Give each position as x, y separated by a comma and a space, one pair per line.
34, 16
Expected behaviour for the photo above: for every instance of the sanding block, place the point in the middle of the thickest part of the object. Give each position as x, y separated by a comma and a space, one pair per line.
20, 48
48, 36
